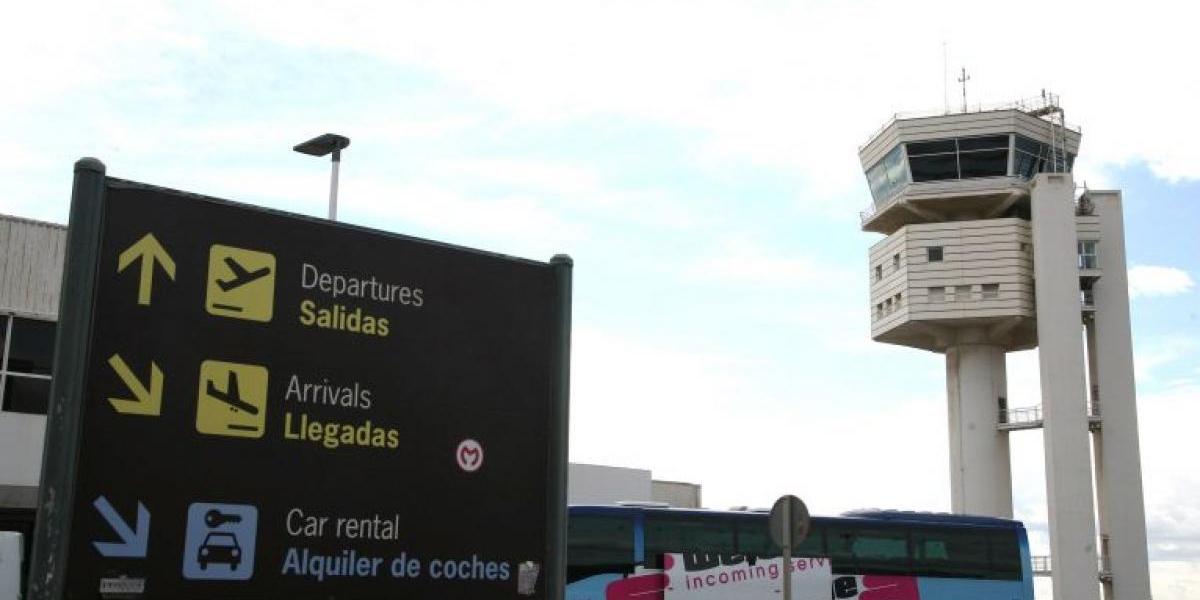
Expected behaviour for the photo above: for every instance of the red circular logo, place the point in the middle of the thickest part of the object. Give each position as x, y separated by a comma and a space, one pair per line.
469, 455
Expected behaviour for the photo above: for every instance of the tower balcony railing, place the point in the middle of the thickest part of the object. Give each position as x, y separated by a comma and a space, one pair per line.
1026, 415
1041, 566
1031, 105
1031, 417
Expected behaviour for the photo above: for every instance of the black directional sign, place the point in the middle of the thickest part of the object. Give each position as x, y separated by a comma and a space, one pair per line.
251, 404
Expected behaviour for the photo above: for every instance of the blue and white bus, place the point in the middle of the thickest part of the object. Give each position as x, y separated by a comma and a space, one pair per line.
651, 553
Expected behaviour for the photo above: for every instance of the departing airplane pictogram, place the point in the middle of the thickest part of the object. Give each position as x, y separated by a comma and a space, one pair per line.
241, 276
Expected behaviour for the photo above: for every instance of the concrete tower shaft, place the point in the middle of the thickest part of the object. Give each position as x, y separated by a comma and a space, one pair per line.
1120, 501
1064, 403
981, 480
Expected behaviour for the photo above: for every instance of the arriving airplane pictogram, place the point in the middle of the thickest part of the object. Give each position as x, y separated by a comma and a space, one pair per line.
232, 399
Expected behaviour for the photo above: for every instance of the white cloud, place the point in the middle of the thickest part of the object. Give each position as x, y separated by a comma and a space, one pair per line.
741, 261
1170, 480
1151, 281
1156, 352
779, 84
1174, 580
690, 414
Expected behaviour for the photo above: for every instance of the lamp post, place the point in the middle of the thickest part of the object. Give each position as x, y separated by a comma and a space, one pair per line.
320, 146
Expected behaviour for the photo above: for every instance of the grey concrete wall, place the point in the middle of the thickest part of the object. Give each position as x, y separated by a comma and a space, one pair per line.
31, 266
599, 484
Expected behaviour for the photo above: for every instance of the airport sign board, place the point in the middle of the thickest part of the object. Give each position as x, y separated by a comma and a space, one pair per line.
253, 404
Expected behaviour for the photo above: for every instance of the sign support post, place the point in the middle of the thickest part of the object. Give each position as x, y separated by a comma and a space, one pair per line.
787, 552
56, 494
788, 525
556, 504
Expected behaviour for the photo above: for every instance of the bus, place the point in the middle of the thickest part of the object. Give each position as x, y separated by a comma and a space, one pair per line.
632, 552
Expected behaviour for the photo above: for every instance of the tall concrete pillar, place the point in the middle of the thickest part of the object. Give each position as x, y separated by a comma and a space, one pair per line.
1064, 405
1119, 453
980, 470
1103, 517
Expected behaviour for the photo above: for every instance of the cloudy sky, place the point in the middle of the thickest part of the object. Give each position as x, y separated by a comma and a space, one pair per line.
698, 160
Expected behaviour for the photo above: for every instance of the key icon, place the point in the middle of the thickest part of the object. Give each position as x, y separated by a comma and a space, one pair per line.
216, 518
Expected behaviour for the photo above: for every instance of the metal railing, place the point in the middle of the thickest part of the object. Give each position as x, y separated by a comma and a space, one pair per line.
1023, 415
1031, 417
1025, 105
1041, 566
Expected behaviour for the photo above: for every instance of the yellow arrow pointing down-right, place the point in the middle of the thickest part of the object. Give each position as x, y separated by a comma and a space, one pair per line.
147, 402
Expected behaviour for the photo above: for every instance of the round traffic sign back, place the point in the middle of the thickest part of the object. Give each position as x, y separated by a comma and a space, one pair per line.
789, 515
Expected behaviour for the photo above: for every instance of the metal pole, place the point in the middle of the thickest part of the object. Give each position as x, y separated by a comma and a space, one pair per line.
787, 551
56, 495
560, 395
333, 185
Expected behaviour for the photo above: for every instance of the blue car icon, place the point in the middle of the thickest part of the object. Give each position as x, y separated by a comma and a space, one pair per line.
220, 548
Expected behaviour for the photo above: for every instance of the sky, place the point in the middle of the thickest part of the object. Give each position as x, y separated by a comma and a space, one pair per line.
698, 160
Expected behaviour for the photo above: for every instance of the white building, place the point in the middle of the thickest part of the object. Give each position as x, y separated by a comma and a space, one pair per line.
988, 250
31, 262
600, 484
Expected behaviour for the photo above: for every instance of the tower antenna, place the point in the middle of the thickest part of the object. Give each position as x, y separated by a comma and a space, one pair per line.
963, 80
945, 80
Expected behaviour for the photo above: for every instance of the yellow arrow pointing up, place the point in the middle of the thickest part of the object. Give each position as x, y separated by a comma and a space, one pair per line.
149, 251
146, 402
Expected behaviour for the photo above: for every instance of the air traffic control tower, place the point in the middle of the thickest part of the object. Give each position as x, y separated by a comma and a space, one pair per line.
989, 249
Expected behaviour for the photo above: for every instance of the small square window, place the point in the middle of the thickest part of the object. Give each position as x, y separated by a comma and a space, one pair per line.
934, 253
1087, 254
887, 306
991, 290
937, 294
962, 293
878, 272
896, 262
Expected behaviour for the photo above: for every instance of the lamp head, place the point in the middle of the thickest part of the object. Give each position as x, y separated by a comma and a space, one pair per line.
323, 144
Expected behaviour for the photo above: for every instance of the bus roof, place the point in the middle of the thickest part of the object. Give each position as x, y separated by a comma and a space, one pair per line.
895, 516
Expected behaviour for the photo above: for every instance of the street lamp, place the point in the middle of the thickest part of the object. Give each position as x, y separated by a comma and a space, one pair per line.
320, 146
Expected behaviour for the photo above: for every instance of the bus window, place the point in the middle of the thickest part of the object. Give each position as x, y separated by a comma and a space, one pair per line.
881, 551
839, 540
1005, 555
599, 544
753, 539
950, 552
704, 537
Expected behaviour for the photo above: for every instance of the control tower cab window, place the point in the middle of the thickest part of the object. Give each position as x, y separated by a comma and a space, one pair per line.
888, 175
959, 158
1031, 157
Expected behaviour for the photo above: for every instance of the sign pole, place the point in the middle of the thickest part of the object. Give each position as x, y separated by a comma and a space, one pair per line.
556, 508
787, 552
56, 495
788, 526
